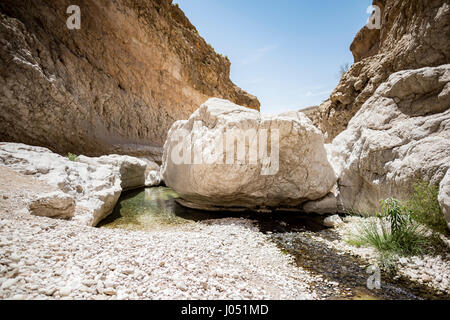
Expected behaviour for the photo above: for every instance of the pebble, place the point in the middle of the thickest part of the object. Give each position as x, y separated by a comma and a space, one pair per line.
70, 261
66, 291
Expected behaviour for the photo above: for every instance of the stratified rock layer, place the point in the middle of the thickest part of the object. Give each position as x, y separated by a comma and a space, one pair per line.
294, 171
400, 135
414, 34
114, 86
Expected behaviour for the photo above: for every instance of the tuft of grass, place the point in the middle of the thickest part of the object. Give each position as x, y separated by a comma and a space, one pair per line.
72, 157
395, 233
424, 207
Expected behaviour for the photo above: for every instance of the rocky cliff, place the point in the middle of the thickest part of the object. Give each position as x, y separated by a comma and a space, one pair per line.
115, 85
413, 34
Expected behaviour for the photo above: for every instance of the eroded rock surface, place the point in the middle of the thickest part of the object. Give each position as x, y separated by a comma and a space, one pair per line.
294, 171
131, 170
400, 135
414, 34
46, 184
116, 85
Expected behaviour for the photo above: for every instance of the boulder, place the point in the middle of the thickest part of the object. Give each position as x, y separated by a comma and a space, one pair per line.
400, 135
153, 179
152, 174
444, 197
228, 156
95, 187
333, 221
326, 205
132, 170
54, 205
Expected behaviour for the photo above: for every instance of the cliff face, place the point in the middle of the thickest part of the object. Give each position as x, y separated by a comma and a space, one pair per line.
114, 86
413, 34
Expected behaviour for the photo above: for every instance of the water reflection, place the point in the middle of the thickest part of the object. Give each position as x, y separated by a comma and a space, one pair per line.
156, 208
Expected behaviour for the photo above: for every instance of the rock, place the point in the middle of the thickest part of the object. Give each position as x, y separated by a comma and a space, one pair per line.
333, 221
401, 134
94, 186
65, 291
153, 179
54, 205
326, 205
444, 197
414, 34
152, 174
110, 291
104, 89
131, 170
292, 173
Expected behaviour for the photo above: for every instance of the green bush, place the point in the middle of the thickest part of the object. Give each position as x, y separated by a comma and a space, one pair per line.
72, 157
424, 207
395, 233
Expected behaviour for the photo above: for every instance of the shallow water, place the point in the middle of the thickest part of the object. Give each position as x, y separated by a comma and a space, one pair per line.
154, 209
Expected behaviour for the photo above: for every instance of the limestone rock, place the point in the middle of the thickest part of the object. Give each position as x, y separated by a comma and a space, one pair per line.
153, 179
54, 205
116, 85
95, 187
212, 176
400, 135
152, 174
328, 204
131, 170
444, 197
414, 34
332, 221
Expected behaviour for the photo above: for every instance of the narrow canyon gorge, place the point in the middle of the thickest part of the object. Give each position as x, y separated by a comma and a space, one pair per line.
132, 167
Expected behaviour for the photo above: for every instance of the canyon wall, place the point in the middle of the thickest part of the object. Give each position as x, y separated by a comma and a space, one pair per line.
116, 85
413, 34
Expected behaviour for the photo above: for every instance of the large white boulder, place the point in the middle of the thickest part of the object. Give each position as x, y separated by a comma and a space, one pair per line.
94, 184
444, 197
400, 135
218, 158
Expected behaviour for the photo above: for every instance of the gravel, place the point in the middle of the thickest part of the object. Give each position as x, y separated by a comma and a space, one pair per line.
41, 258
431, 270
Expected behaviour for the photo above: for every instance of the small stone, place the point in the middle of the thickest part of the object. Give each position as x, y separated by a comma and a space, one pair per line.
110, 292
66, 291
333, 221
8, 283
128, 271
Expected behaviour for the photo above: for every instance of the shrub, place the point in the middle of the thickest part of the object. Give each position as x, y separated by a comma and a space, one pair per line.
394, 233
343, 69
424, 207
72, 157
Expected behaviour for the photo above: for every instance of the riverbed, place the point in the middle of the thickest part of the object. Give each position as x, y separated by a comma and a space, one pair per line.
294, 234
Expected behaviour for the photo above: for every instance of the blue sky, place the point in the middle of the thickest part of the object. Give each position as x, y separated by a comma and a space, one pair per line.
286, 52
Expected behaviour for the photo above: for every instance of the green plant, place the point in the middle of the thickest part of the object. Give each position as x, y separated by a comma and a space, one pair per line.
397, 214
72, 157
424, 206
394, 233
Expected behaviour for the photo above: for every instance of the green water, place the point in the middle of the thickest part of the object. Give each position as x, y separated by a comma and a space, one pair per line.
147, 210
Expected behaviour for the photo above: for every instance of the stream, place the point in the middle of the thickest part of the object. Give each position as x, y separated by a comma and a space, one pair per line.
156, 209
